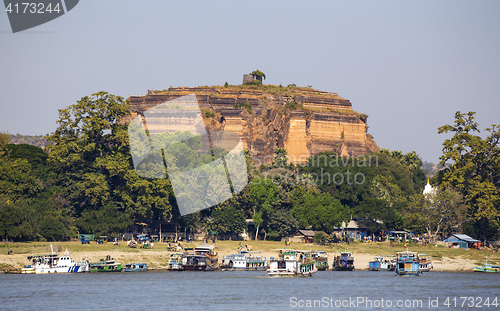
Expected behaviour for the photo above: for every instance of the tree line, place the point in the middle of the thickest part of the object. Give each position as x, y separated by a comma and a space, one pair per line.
85, 181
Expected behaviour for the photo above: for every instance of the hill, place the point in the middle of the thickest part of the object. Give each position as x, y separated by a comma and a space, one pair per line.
303, 120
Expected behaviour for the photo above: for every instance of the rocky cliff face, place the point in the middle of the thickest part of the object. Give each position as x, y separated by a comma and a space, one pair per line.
302, 120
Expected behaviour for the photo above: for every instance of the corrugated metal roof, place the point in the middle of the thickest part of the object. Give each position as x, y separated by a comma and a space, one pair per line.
465, 237
460, 237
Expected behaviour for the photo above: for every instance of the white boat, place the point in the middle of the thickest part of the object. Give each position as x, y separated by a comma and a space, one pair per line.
175, 262
291, 263
424, 262
28, 269
380, 263
53, 263
244, 261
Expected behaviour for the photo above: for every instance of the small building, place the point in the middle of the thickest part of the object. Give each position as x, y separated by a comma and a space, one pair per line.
351, 230
462, 241
303, 236
401, 235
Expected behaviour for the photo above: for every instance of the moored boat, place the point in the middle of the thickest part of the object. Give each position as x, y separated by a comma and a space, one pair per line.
344, 262
250, 260
291, 263
175, 262
136, 267
380, 263
105, 265
407, 263
487, 268
28, 269
203, 258
321, 260
424, 263
53, 263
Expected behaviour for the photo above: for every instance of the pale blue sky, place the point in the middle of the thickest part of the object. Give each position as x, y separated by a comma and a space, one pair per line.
409, 65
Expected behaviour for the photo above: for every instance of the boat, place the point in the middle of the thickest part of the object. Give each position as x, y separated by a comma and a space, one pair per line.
344, 262
487, 268
105, 265
136, 267
28, 269
174, 263
246, 260
407, 263
203, 258
425, 263
53, 263
380, 263
321, 260
291, 263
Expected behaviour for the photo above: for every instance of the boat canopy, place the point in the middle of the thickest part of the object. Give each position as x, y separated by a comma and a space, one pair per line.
204, 247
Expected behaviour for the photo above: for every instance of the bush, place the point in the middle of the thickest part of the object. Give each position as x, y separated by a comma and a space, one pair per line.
247, 106
208, 113
254, 82
320, 238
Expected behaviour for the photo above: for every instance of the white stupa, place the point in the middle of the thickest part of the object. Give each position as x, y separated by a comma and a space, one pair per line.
429, 190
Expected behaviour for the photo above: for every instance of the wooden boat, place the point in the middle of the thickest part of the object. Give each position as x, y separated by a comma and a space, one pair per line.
380, 263
425, 263
174, 263
321, 260
247, 260
203, 258
344, 262
28, 269
407, 263
291, 263
136, 267
487, 268
105, 265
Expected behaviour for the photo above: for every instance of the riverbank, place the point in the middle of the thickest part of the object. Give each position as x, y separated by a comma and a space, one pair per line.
443, 259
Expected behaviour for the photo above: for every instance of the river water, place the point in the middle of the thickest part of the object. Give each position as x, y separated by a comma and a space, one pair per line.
252, 290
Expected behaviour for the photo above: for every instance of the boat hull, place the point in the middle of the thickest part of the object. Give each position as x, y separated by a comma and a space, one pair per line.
139, 267
73, 269
487, 268
289, 268
243, 269
408, 268
288, 274
194, 267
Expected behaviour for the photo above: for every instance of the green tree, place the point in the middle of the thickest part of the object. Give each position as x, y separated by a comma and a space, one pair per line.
259, 73
90, 152
474, 172
280, 157
263, 193
228, 220
320, 211
4, 140
436, 213
282, 224
320, 237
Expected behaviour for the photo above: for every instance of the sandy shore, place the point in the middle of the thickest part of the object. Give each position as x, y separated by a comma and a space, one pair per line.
158, 259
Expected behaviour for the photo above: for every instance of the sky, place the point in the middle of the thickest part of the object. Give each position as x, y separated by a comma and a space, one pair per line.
409, 65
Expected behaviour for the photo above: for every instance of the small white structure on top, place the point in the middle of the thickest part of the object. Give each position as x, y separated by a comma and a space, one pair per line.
429, 191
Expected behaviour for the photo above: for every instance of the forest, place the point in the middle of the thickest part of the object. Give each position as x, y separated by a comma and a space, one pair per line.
84, 181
